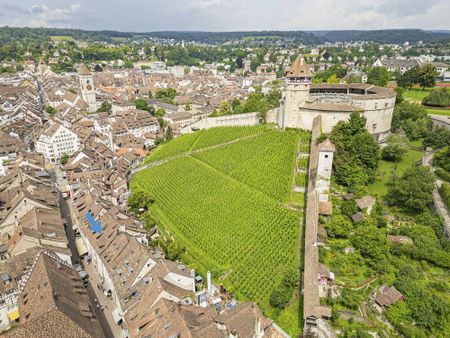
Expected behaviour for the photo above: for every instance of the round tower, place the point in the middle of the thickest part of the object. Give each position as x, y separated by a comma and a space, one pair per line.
296, 92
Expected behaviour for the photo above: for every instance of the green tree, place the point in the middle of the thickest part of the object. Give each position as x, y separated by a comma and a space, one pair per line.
437, 138
427, 76
371, 242
395, 149
378, 76
357, 152
439, 97
160, 112
399, 98
339, 227
409, 78
105, 107
174, 250
64, 158
333, 79
50, 110
169, 133
141, 104
412, 191
412, 118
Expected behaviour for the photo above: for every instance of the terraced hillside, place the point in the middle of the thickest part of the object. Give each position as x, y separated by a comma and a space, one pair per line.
226, 194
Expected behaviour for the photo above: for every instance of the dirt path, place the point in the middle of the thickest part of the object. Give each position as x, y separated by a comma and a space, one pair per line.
189, 153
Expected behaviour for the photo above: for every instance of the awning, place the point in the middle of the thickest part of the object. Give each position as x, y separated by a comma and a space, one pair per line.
13, 316
81, 247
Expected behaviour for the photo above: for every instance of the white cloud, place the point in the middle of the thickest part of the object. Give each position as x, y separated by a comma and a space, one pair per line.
227, 15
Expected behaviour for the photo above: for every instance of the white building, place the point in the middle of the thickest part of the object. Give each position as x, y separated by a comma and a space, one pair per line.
87, 89
56, 140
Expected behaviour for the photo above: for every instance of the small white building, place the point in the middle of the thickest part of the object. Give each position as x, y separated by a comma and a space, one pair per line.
56, 140
324, 167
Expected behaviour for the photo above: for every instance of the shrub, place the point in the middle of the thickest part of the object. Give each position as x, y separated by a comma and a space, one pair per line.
445, 193
438, 97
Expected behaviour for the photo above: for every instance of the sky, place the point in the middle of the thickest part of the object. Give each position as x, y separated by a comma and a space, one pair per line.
226, 15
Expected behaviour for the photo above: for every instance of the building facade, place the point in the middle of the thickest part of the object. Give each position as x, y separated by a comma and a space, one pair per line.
57, 140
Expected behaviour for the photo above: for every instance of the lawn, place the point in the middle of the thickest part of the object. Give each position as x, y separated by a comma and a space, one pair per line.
387, 169
437, 111
62, 38
416, 96
225, 205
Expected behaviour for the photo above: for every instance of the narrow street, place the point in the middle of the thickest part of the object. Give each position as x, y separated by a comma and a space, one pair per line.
66, 214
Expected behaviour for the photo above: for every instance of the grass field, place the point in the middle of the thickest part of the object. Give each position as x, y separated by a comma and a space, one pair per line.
387, 169
436, 111
225, 205
62, 38
416, 96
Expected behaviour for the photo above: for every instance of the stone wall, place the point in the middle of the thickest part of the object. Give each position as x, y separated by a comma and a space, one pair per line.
235, 120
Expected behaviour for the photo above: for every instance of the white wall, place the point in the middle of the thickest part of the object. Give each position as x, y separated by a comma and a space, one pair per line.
248, 119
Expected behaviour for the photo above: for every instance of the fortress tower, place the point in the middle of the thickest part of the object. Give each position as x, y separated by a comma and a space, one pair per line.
87, 88
298, 82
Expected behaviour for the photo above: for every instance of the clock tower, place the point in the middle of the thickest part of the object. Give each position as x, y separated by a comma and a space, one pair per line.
87, 88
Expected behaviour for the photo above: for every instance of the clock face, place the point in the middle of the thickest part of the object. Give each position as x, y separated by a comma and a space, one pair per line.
89, 87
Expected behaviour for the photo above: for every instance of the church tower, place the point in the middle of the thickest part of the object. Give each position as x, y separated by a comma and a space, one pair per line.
296, 92
87, 88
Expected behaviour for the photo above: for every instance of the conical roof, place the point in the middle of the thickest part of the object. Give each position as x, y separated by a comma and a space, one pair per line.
299, 68
84, 70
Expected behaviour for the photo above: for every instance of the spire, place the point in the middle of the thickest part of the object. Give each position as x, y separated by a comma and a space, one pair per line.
84, 70
299, 68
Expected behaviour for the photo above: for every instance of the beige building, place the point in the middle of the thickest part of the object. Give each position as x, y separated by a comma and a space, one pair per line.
302, 101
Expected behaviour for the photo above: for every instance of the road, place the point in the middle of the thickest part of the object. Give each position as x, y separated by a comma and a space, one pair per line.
66, 214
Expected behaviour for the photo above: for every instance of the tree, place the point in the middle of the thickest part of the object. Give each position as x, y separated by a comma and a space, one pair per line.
442, 159
372, 244
187, 106
357, 152
412, 191
174, 250
409, 78
412, 118
333, 79
395, 149
64, 158
399, 98
105, 107
378, 76
50, 110
437, 138
160, 112
141, 104
339, 227
169, 133
439, 97
427, 76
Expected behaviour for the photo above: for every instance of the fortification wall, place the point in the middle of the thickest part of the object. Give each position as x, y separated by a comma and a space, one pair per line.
248, 119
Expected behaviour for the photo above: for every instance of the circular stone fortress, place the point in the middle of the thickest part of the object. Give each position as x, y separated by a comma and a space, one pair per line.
302, 101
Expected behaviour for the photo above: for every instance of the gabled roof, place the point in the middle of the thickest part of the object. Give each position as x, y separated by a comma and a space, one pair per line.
299, 69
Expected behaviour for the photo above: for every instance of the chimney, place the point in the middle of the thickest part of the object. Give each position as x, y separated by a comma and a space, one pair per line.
208, 282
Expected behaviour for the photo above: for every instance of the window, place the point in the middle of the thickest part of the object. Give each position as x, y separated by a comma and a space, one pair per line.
326, 156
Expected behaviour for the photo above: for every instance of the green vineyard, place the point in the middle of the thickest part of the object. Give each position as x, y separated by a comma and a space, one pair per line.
222, 193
